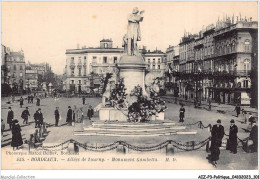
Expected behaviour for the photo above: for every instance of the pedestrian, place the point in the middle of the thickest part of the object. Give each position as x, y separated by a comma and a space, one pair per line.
74, 112
13, 98
57, 116
69, 116
10, 117
90, 112
83, 99
21, 102
217, 134
45, 94
182, 112
237, 109
38, 101
209, 101
29, 99
38, 117
244, 115
250, 118
254, 137
16, 135
233, 137
25, 115
2, 127
32, 98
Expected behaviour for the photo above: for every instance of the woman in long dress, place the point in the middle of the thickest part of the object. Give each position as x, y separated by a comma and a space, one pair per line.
16, 135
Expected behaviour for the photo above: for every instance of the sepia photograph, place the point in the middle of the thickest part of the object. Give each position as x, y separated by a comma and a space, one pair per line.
130, 86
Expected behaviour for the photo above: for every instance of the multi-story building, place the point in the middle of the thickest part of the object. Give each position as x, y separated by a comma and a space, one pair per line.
31, 77
172, 67
186, 66
221, 63
232, 63
85, 67
15, 65
155, 61
4, 52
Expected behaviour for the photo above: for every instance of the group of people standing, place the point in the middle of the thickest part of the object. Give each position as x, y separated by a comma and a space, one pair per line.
77, 115
217, 134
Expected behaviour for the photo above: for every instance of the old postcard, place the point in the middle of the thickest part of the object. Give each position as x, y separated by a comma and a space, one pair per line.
130, 86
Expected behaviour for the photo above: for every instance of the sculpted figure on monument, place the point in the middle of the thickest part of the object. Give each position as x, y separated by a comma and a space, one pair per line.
133, 32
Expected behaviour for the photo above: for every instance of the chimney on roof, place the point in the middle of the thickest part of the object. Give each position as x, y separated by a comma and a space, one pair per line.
78, 46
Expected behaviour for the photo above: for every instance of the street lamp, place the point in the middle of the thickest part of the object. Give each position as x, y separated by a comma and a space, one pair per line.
28, 85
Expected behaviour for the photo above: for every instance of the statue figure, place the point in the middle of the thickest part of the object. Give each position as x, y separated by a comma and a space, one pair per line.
124, 43
106, 94
133, 31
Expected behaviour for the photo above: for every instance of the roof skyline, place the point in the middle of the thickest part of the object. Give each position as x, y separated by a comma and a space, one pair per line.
54, 27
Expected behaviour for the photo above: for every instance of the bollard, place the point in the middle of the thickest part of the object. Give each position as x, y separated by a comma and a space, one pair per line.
170, 150
45, 133
120, 149
190, 145
41, 134
73, 148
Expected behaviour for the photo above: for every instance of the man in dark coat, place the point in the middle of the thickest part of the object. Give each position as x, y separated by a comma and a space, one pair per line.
32, 98
16, 135
217, 134
254, 137
237, 109
10, 117
57, 116
38, 101
233, 137
83, 99
38, 118
21, 102
182, 111
90, 112
25, 115
69, 116
29, 99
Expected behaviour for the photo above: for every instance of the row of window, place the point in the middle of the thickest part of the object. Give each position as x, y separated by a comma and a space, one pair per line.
153, 66
94, 59
159, 60
15, 67
14, 59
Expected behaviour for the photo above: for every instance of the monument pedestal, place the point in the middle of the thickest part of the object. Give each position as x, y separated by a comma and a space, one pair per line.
112, 114
132, 70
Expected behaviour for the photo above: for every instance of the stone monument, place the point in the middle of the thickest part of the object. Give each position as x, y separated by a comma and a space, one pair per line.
131, 65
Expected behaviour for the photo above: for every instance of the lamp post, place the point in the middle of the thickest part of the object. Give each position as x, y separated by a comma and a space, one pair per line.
28, 85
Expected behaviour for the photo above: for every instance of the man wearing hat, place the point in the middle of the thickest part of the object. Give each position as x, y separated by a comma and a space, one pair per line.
38, 117
217, 134
254, 136
57, 116
233, 137
25, 115
69, 116
10, 117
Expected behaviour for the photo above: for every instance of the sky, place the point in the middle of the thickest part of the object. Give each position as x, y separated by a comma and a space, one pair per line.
44, 30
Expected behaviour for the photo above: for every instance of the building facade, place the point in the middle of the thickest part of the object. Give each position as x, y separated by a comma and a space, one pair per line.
85, 67
220, 63
31, 77
15, 68
155, 61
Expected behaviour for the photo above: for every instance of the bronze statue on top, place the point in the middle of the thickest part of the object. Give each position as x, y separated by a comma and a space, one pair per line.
133, 33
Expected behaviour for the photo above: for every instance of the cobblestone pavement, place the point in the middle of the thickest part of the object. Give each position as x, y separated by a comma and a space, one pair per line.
57, 135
